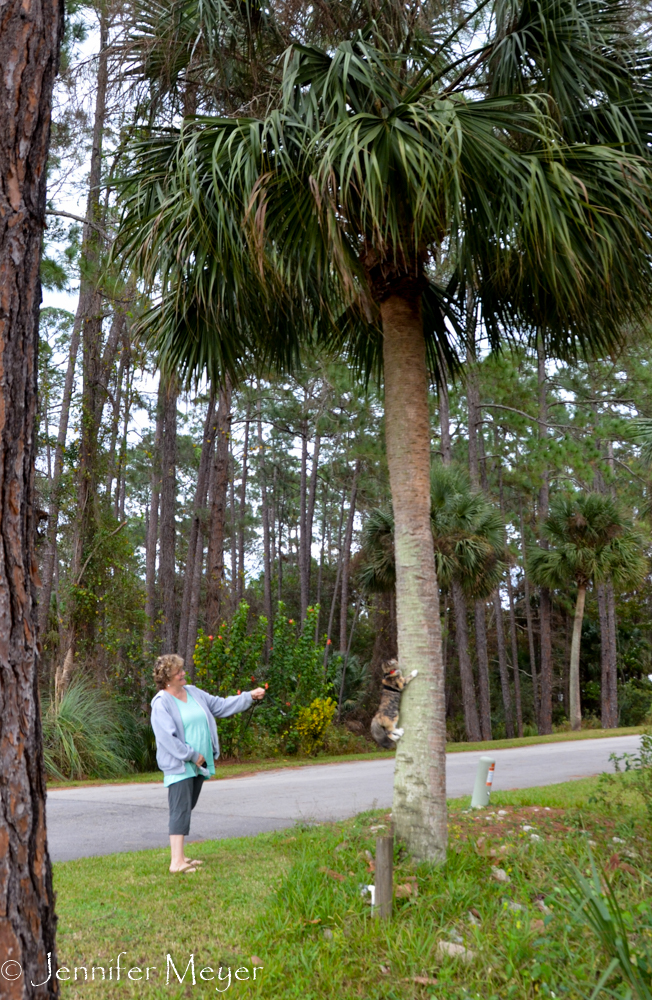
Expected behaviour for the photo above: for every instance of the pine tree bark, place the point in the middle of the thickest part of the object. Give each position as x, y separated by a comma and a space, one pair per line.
574, 678
49, 558
168, 531
528, 621
312, 498
152, 527
514, 641
243, 511
469, 703
89, 313
444, 423
545, 599
199, 504
419, 812
609, 697
483, 669
219, 491
346, 560
264, 512
502, 665
304, 545
30, 38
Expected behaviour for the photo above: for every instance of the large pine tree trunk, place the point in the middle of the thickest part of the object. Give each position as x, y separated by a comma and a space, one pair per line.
29, 49
219, 491
168, 527
574, 680
419, 811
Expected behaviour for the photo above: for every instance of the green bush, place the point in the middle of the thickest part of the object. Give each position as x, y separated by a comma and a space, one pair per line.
88, 735
634, 702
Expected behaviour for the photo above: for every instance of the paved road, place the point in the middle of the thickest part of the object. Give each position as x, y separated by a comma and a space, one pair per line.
83, 822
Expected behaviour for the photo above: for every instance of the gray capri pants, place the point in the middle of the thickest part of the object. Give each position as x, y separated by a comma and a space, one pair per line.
182, 799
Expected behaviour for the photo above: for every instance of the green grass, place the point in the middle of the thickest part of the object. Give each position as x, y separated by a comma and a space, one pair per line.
275, 898
253, 766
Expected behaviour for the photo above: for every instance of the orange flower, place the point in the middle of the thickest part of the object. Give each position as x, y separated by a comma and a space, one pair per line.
328, 642
210, 637
266, 686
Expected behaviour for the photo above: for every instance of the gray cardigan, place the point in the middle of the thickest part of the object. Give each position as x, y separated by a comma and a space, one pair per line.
172, 751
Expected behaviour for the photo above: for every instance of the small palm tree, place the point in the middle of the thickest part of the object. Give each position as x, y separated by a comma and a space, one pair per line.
591, 541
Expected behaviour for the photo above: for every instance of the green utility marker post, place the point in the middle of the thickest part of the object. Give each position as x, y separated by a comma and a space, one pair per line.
483, 780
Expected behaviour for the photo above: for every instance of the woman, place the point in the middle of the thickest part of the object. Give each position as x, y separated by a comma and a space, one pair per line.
183, 720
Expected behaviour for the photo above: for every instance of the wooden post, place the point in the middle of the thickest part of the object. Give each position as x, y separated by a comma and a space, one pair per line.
384, 877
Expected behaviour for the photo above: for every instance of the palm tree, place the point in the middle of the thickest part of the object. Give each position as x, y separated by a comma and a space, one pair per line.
325, 221
590, 542
469, 541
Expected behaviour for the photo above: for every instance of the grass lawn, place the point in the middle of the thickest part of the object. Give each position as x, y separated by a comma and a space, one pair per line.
290, 903
253, 766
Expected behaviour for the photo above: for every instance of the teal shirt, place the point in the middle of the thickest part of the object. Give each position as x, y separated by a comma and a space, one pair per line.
197, 735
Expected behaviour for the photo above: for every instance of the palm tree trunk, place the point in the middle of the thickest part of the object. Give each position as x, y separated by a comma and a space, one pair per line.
483, 669
574, 685
219, 490
29, 50
167, 542
419, 813
304, 555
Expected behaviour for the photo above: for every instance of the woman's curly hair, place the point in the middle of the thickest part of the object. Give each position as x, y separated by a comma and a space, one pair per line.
165, 668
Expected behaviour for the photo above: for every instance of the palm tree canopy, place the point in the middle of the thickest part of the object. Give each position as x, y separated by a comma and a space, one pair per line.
590, 540
468, 533
379, 169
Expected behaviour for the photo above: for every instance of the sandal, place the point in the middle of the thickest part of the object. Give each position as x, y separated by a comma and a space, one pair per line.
186, 870
195, 861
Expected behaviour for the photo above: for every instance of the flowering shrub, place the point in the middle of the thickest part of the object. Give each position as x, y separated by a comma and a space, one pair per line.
228, 663
312, 723
234, 661
295, 671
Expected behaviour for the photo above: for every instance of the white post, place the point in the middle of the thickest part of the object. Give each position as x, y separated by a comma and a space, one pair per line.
483, 780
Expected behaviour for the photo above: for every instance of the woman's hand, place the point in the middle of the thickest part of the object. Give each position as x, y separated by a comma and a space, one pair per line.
201, 760
258, 694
